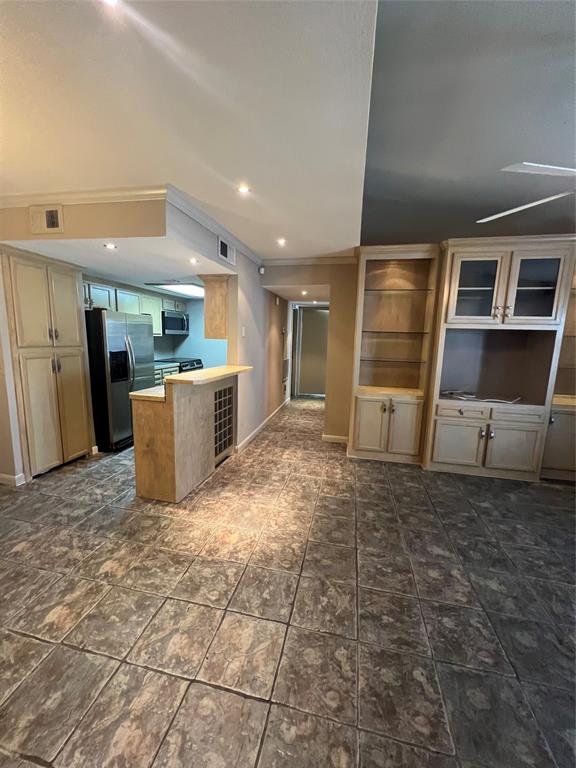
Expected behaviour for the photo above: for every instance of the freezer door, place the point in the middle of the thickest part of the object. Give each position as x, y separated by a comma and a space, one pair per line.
141, 347
119, 370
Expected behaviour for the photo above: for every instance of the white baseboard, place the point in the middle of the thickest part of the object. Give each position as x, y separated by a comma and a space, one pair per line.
240, 447
13, 480
335, 438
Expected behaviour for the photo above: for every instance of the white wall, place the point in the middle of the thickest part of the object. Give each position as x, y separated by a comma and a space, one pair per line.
252, 323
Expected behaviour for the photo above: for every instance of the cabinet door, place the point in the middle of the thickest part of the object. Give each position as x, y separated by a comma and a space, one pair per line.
169, 304
371, 424
478, 288
38, 374
180, 306
128, 302
65, 304
152, 305
457, 442
73, 403
103, 297
560, 447
31, 303
514, 447
404, 427
534, 287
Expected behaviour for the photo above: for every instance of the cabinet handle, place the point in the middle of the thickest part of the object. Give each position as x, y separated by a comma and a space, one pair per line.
552, 419
50, 334
460, 412
58, 365
383, 407
492, 435
53, 365
56, 333
507, 314
497, 309
482, 434
392, 409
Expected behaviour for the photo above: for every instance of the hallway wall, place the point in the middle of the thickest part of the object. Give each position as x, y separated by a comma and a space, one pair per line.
342, 279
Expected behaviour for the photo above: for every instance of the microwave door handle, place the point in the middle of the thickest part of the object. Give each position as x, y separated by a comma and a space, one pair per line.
186, 322
129, 352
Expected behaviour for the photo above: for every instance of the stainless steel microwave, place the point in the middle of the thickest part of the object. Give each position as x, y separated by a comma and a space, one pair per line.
175, 323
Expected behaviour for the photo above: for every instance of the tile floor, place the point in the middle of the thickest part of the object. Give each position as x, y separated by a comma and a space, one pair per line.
302, 610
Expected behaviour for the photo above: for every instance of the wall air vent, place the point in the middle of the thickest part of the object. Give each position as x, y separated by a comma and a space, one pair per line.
46, 219
226, 251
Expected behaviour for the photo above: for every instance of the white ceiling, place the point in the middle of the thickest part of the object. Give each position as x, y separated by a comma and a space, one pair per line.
203, 95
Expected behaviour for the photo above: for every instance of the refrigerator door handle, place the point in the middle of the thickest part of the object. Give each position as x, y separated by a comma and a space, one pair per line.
131, 364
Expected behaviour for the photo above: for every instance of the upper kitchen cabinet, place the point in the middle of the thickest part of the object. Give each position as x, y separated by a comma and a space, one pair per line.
152, 305
492, 285
65, 302
47, 304
31, 297
101, 297
128, 301
173, 305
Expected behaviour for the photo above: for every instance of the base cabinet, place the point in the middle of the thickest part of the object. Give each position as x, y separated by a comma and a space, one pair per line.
560, 446
388, 426
72, 403
40, 395
495, 445
514, 447
457, 442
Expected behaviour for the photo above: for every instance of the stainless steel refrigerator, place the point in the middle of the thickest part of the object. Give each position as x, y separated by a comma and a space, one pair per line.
121, 354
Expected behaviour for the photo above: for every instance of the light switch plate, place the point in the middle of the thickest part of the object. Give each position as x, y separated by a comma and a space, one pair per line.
243, 331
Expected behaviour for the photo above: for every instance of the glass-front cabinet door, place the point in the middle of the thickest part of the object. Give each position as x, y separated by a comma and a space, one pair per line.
478, 288
534, 287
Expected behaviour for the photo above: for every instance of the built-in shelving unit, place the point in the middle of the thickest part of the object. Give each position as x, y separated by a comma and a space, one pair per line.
397, 307
396, 300
502, 307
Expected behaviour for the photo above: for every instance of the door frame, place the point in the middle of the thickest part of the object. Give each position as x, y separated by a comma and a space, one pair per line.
299, 308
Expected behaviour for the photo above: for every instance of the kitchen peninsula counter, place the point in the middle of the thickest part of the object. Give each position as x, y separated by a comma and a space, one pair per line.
183, 429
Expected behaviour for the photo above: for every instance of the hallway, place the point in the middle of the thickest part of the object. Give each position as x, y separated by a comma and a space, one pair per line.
302, 610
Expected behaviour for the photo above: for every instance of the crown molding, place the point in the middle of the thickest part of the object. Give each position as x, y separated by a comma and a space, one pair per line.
310, 261
513, 240
430, 249
83, 197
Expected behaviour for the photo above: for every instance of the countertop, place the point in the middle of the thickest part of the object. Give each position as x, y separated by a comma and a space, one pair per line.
202, 376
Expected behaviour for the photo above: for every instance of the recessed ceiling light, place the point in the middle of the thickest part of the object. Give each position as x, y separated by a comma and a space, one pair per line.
244, 189
110, 2
281, 242
304, 293
110, 246
193, 260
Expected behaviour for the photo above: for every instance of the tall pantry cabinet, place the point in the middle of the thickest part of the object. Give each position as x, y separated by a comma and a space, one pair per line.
44, 301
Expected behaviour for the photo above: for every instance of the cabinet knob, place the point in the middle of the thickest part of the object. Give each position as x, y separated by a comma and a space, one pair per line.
482, 434
56, 333
50, 334
383, 407
507, 314
552, 419
460, 412
492, 435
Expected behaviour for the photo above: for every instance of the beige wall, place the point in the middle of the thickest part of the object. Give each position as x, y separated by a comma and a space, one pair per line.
277, 322
144, 218
342, 279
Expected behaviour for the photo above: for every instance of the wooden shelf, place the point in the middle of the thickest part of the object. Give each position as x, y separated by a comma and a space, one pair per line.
364, 391
391, 360
397, 290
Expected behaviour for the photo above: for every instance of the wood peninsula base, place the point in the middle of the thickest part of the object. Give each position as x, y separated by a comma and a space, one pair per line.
183, 429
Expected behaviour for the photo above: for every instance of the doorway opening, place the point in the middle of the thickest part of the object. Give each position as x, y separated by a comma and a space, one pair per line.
309, 346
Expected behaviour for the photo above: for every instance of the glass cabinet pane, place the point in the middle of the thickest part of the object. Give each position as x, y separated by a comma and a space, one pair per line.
536, 289
476, 285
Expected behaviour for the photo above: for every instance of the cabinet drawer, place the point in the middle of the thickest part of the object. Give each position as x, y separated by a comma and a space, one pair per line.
528, 416
463, 410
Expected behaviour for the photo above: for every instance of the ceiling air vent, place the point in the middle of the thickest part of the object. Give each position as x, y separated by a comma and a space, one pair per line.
45, 219
226, 251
